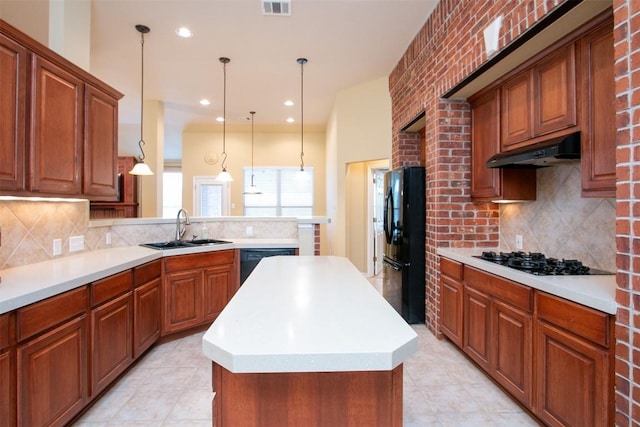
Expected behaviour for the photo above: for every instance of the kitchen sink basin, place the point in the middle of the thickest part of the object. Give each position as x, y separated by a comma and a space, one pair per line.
179, 244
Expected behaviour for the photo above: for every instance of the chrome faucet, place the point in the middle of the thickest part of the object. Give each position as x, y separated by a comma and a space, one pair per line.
182, 220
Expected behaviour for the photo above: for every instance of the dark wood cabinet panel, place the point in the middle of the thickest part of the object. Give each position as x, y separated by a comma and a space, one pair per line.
182, 300
512, 341
100, 152
554, 85
598, 113
477, 327
216, 290
52, 375
111, 341
146, 315
55, 144
13, 69
573, 379
451, 307
517, 110
127, 204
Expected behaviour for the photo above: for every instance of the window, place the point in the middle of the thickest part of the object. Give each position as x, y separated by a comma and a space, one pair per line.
282, 192
211, 197
171, 193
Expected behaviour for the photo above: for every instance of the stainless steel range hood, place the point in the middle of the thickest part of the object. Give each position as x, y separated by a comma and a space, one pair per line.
547, 153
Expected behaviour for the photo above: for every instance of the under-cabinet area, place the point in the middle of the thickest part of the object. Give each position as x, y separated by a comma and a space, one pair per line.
59, 354
552, 355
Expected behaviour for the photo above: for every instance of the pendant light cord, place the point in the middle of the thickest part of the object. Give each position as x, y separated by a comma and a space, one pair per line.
252, 113
302, 61
224, 113
142, 29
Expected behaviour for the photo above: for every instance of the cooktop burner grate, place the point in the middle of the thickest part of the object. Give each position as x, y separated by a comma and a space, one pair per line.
538, 264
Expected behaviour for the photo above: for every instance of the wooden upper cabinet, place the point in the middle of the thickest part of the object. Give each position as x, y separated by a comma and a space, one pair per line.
517, 117
100, 152
485, 139
13, 69
598, 113
55, 144
554, 87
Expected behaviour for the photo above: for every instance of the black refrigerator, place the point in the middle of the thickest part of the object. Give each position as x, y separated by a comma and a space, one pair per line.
404, 251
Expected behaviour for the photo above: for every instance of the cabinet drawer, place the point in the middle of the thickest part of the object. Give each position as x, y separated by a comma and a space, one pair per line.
451, 268
46, 314
201, 260
7, 337
580, 320
146, 273
497, 287
110, 287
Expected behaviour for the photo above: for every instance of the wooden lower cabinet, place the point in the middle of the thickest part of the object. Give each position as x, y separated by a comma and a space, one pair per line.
111, 341
7, 371
196, 288
147, 306
52, 375
477, 327
451, 300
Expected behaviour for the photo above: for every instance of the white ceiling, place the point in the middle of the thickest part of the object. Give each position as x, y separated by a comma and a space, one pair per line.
347, 42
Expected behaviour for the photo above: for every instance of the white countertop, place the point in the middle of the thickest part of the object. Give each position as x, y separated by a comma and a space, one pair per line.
595, 291
308, 314
24, 285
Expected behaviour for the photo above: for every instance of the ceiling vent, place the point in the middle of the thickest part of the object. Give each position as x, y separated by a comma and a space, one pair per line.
282, 7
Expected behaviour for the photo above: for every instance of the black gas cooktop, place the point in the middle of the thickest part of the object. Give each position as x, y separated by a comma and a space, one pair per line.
538, 264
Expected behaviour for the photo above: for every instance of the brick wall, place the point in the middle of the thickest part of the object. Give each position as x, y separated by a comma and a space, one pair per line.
447, 49
627, 69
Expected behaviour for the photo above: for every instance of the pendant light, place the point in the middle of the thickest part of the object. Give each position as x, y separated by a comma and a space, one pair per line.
302, 175
252, 188
141, 168
224, 175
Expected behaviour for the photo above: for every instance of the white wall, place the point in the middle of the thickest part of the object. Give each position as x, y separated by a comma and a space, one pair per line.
359, 130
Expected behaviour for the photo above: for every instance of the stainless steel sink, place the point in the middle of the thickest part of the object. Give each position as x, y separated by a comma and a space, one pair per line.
179, 244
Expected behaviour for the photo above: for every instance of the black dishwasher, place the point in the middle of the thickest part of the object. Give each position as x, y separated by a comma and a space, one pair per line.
249, 258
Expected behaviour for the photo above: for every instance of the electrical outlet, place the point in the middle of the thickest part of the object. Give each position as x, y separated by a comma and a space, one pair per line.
248, 231
76, 243
519, 242
107, 238
57, 247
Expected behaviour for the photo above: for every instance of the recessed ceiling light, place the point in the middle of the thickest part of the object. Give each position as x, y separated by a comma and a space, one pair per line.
288, 103
219, 119
291, 120
184, 32
205, 102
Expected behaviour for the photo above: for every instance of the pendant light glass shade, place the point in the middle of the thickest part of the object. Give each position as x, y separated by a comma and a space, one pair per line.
302, 175
253, 189
141, 168
224, 176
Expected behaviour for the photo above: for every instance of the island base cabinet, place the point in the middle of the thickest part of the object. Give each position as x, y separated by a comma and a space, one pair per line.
58, 357
572, 377
368, 398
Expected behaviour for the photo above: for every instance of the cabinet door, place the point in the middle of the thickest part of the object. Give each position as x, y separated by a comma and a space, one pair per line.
52, 373
56, 130
111, 342
598, 114
477, 327
216, 290
517, 110
100, 145
485, 139
146, 318
7, 387
451, 306
572, 379
13, 66
555, 92
182, 297
512, 344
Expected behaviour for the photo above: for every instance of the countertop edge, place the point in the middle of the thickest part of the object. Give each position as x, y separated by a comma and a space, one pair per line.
597, 292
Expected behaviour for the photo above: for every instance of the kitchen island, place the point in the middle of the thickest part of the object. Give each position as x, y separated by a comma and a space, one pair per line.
308, 341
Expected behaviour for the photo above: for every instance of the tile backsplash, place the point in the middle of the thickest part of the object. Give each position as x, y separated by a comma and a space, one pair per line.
29, 227
560, 223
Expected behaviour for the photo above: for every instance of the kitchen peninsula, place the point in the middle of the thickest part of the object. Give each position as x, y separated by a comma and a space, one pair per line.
308, 341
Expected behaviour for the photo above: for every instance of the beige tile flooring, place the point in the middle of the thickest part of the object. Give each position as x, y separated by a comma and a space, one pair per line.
171, 386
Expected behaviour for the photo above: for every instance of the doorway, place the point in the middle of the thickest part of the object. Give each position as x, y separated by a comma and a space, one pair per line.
376, 212
211, 197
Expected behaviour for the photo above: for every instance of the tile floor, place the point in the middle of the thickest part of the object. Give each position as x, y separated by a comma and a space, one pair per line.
171, 386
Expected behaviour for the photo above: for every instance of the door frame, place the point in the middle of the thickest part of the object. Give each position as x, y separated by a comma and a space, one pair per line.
379, 166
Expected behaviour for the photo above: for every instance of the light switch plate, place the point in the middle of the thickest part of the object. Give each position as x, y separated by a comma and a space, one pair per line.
107, 238
57, 247
519, 242
76, 243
